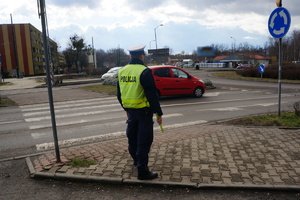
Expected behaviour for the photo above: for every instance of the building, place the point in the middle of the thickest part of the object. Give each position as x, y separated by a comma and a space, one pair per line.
26, 55
240, 58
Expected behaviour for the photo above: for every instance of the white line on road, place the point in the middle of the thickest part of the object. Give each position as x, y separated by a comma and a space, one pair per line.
237, 108
212, 94
68, 109
11, 122
92, 126
44, 106
36, 119
78, 141
98, 138
222, 101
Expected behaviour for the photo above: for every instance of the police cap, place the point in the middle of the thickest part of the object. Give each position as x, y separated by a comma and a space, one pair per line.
137, 49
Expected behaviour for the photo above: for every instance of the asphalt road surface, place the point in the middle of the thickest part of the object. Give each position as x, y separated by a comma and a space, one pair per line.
90, 117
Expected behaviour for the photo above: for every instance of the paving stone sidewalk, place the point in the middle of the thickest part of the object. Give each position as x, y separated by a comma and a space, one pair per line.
197, 156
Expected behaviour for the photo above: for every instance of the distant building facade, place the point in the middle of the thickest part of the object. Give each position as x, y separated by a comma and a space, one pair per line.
240, 58
28, 59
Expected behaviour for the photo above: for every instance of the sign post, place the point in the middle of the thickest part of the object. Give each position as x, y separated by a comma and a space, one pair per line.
261, 70
42, 13
279, 24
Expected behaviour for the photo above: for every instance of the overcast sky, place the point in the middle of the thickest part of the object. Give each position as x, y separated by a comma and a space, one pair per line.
187, 24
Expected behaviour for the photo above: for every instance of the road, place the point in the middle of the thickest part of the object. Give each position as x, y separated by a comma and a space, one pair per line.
27, 129
84, 117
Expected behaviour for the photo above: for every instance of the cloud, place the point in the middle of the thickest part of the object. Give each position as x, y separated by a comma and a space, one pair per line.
77, 3
186, 24
142, 5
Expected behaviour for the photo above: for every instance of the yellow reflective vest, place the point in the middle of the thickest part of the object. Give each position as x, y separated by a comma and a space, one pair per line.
132, 92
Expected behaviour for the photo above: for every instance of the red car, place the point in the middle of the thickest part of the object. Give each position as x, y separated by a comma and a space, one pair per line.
172, 80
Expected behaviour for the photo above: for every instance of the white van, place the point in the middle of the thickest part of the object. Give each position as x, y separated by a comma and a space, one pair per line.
187, 63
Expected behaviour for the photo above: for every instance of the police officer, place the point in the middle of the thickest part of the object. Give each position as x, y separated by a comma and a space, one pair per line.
137, 94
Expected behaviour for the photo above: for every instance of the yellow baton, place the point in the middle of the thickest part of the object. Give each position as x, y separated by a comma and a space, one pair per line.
161, 127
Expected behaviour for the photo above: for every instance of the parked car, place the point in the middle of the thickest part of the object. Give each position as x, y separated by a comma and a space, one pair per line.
171, 80
112, 73
244, 66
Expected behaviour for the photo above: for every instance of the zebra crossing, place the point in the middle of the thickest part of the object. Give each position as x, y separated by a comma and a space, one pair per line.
82, 121
92, 120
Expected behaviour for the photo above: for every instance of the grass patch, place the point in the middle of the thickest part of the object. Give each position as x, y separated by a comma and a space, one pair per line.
77, 162
5, 83
108, 89
4, 101
285, 120
234, 75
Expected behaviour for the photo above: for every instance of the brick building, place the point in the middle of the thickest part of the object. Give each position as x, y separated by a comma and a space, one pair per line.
29, 50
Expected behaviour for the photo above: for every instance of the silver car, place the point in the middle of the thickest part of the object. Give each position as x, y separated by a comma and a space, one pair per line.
112, 73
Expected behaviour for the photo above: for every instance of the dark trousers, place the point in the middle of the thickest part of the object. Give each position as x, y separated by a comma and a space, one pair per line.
140, 136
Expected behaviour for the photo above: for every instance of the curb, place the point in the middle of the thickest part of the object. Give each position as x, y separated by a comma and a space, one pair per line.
112, 180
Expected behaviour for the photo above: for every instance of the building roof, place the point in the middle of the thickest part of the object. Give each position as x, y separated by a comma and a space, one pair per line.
239, 55
221, 57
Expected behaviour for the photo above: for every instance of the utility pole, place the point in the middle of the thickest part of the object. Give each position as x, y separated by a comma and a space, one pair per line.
94, 55
155, 34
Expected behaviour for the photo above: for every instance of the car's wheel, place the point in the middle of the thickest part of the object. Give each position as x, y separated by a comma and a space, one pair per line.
198, 92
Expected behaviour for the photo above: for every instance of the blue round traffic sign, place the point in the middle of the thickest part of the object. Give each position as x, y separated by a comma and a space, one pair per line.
261, 69
279, 22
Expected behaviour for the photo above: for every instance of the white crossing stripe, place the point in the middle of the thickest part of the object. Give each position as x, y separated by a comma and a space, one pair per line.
68, 109
10, 122
78, 141
237, 108
49, 125
97, 138
212, 94
36, 119
98, 100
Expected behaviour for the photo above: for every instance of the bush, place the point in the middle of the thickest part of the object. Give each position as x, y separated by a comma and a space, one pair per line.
252, 72
289, 71
297, 108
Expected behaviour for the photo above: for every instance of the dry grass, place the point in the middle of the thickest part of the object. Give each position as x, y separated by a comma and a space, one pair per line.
234, 75
284, 120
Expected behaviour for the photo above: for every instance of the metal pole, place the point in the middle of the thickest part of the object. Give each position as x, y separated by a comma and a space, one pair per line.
46, 54
93, 52
234, 44
155, 34
279, 4
155, 37
279, 76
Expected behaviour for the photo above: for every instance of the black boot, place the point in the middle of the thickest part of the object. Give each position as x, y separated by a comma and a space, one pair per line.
147, 176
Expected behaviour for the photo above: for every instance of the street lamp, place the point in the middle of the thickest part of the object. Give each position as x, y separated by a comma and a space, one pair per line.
155, 34
234, 43
150, 43
278, 3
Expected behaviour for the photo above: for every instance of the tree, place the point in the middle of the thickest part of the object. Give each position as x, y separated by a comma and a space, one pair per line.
117, 57
79, 48
68, 53
100, 57
290, 47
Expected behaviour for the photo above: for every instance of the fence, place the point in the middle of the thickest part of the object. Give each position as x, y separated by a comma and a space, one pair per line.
210, 65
